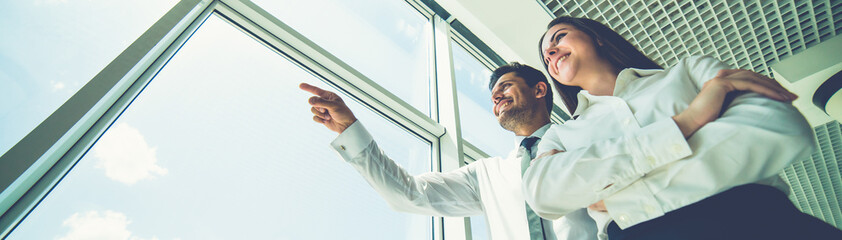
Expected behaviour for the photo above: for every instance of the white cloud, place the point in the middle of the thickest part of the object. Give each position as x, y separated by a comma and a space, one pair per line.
57, 85
92, 225
125, 155
407, 29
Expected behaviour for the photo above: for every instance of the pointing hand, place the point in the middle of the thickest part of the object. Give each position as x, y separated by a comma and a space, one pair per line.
329, 109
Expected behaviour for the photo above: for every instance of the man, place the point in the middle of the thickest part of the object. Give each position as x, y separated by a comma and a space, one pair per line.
492, 187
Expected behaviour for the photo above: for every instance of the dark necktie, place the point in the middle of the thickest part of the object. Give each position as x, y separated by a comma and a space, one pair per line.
536, 226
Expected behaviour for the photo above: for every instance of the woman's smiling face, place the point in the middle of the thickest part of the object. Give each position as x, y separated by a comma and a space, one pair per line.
568, 52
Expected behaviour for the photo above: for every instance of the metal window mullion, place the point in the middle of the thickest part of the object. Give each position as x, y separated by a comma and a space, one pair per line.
451, 153
438, 222
473, 50
61, 140
421, 8
309, 56
468, 148
473, 152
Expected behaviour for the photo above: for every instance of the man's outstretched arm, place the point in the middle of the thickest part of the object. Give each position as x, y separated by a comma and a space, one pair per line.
438, 194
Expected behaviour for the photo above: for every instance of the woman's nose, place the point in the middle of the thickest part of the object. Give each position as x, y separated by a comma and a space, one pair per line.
548, 55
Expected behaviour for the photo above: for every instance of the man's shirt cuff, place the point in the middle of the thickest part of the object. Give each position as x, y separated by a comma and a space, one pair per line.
352, 141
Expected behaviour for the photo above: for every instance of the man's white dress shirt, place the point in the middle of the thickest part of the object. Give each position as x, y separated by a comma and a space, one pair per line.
625, 149
490, 187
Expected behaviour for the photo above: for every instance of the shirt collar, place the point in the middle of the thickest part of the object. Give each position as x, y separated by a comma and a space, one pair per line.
538, 133
623, 79
629, 74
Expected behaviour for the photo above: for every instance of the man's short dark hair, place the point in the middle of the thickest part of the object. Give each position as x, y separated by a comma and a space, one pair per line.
529, 74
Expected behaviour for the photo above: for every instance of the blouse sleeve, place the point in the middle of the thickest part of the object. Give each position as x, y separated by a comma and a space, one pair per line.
754, 139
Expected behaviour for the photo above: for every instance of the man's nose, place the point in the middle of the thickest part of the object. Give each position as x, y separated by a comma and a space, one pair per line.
496, 96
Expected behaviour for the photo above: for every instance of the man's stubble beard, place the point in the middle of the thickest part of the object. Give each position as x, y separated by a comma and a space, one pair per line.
514, 117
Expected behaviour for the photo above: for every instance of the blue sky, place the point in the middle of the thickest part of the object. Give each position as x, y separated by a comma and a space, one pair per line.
51, 48
222, 155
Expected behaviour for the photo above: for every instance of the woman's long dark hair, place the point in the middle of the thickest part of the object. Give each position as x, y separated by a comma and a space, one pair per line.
616, 49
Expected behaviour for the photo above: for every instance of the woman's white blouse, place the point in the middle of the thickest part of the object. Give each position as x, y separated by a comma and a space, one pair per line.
645, 167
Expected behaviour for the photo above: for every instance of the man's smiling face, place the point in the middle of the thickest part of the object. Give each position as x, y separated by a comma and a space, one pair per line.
513, 100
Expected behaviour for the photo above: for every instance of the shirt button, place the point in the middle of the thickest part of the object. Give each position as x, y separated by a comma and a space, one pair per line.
342, 147
622, 218
676, 147
651, 160
649, 209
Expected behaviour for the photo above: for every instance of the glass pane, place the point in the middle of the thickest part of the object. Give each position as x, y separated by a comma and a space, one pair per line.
51, 48
231, 153
385, 40
479, 229
479, 125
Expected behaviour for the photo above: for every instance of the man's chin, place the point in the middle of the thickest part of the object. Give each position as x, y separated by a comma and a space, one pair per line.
506, 123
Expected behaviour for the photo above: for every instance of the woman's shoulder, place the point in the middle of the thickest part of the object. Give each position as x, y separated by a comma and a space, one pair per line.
697, 61
699, 58
696, 64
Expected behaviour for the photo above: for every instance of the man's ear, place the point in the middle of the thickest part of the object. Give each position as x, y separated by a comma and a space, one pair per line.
541, 89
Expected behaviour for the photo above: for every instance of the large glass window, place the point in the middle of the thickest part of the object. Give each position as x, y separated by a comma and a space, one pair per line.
394, 39
51, 48
221, 145
479, 125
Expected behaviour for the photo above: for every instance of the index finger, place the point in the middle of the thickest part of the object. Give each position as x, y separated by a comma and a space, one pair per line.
313, 89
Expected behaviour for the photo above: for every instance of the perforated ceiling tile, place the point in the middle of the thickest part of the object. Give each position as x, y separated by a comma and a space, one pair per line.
746, 34
816, 182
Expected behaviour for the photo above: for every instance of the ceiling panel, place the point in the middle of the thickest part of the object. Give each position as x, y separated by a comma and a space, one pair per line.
747, 34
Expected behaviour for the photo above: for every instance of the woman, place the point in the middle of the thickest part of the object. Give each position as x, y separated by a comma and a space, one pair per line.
666, 187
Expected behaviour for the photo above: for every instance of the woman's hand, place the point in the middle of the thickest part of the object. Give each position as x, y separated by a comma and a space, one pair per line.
598, 206
548, 153
709, 103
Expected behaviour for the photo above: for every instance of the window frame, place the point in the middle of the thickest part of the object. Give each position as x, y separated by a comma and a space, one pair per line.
38, 161
35, 165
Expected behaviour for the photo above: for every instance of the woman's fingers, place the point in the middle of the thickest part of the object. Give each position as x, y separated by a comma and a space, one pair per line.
744, 80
